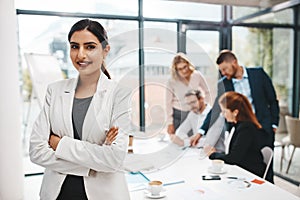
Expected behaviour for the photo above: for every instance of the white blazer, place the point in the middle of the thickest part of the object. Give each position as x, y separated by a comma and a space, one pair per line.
99, 164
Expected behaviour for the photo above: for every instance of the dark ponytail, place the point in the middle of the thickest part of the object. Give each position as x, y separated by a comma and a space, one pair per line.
104, 70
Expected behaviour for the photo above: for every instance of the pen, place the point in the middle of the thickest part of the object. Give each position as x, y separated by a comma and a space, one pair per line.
184, 148
173, 183
232, 177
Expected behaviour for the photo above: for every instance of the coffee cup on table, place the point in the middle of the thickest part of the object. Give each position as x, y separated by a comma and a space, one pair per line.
217, 165
155, 187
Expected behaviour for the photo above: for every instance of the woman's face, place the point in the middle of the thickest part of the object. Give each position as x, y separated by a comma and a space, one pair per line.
86, 52
183, 70
229, 115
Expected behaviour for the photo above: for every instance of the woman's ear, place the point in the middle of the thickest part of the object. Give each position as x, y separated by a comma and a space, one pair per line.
236, 112
106, 50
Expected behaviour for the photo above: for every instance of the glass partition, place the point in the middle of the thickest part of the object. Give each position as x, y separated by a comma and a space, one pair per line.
281, 17
182, 10
115, 7
239, 11
203, 48
51, 38
160, 43
273, 50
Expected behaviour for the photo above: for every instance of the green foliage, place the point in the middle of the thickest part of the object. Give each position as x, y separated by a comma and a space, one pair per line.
27, 85
263, 51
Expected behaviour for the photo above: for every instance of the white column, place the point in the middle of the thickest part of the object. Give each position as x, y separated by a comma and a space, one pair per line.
11, 161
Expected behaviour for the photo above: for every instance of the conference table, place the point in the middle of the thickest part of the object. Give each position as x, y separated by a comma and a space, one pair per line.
181, 171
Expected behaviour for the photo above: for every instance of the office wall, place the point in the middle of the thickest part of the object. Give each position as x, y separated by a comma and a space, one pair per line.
11, 170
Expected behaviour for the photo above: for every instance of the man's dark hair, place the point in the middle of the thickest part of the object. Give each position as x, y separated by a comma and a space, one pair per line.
225, 55
197, 93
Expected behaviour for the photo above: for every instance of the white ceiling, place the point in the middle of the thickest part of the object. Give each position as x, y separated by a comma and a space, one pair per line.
250, 3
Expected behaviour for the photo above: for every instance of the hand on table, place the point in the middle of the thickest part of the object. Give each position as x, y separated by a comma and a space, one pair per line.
195, 139
175, 139
209, 150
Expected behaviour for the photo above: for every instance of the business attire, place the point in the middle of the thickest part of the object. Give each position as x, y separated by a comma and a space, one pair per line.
176, 108
263, 99
244, 149
99, 166
192, 122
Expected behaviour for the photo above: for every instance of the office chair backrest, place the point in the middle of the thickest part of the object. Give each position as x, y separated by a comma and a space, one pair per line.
267, 153
293, 127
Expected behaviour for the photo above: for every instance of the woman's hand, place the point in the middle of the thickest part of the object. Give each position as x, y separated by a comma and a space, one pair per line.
171, 129
209, 150
111, 135
175, 139
53, 141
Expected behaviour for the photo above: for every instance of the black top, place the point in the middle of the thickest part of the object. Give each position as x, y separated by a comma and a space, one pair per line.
244, 148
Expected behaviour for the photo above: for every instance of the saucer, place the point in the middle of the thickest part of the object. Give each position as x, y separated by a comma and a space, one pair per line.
149, 195
223, 171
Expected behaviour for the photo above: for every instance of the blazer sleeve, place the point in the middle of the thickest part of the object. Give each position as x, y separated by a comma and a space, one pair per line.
271, 97
239, 145
39, 150
215, 111
102, 158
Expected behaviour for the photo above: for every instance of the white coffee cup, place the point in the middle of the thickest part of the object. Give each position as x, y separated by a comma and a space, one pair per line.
155, 187
217, 165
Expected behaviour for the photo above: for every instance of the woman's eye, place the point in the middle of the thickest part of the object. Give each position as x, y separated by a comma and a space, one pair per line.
91, 47
73, 46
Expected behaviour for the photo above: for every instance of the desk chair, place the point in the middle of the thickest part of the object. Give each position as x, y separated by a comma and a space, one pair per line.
293, 127
267, 153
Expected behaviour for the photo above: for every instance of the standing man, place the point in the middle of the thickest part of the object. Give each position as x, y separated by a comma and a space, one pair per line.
257, 86
199, 109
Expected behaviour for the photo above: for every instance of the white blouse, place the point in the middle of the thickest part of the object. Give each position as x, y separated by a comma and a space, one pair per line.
176, 91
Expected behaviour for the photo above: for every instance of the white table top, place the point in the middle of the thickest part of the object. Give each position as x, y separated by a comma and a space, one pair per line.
187, 167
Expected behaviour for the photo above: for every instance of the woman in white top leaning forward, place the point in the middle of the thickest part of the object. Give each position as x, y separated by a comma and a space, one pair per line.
80, 136
184, 77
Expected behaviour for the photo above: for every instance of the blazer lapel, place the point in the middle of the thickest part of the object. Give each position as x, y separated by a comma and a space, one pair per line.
96, 108
67, 105
228, 85
253, 83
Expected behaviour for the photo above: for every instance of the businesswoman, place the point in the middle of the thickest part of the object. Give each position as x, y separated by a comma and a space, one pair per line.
184, 77
80, 136
243, 144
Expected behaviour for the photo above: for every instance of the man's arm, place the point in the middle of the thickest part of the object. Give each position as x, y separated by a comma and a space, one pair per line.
182, 131
214, 113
